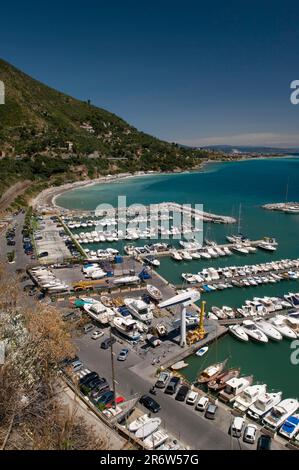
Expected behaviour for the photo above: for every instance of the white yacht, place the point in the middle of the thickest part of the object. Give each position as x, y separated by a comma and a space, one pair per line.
127, 327
254, 332
269, 330
186, 255
249, 396
234, 387
97, 311
175, 255
139, 309
155, 440
238, 248
98, 274
126, 280
277, 416
195, 255
282, 327
238, 332
148, 428
138, 422
205, 255
264, 403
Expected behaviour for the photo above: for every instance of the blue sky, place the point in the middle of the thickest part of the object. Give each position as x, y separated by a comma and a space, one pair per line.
192, 72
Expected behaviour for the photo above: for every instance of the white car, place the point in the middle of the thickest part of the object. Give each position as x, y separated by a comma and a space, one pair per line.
202, 403
191, 397
97, 334
250, 433
237, 426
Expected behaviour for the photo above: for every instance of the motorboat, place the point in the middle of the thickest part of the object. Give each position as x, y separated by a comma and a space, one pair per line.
220, 382
211, 372
98, 274
263, 404
148, 428
280, 413
155, 440
195, 255
293, 323
186, 255
175, 255
240, 249
97, 311
219, 313
138, 422
238, 332
280, 324
126, 280
269, 330
254, 332
290, 427
127, 327
233, 388
179, 365
202, 351
150, 259
249, 396
139, 309
154, 292
266, 246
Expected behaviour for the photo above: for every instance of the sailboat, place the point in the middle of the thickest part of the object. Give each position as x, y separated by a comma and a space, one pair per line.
211, 372
239, 237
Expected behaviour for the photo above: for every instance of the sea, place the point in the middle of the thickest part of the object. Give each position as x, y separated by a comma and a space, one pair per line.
222, 187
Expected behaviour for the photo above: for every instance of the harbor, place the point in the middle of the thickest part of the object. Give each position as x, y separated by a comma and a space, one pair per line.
149, 298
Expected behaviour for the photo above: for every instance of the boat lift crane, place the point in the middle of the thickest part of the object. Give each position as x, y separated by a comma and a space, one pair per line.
185, 300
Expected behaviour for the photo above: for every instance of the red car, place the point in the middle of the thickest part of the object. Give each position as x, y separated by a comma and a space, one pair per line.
118, 401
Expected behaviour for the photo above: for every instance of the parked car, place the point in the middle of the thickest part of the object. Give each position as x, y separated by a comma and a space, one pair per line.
118, 401
264, 442
88, 377
105, 399
123, 354
202, 403
92, 385
87, 328
182, 393
162, 379
43, 254
237, 426
108, 342
76, 366
211, 411
101, 388
250, 433
191, 397
97, 334
149, 403
172, 385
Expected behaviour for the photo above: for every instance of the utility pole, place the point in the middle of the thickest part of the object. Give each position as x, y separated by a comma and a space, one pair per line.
112, 370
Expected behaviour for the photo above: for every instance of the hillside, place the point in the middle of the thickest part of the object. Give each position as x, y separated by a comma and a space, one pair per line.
49, 137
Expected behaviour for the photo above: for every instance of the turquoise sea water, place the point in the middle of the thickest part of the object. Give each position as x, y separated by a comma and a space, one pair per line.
221, 187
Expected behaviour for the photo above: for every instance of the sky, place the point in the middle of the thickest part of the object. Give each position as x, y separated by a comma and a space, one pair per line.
194, 72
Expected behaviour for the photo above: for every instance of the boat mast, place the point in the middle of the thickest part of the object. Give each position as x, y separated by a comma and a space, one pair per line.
287, 189
112, 370
239, 219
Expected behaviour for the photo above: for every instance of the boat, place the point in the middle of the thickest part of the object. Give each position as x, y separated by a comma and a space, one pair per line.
234, 387
266, 246
139, 309
126, 280
269, 330
186, 256
97, 311
148, 428
175, 255
127, 327
280, 413
263, 404
161, 329
240, 249
290, 427
154, 292
293, 323
179, 365
211, 372
155, 440
202, 351
195, 255
282, 327
254, 332
248, 397
150, 259
220, 382
138, 422
238, 332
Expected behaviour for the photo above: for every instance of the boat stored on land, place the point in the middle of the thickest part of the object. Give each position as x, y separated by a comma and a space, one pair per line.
278, 415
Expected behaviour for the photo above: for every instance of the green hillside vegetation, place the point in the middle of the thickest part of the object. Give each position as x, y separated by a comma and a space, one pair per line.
47, 136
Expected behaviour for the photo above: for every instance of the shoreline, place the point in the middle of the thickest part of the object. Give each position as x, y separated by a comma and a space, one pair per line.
47, 197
